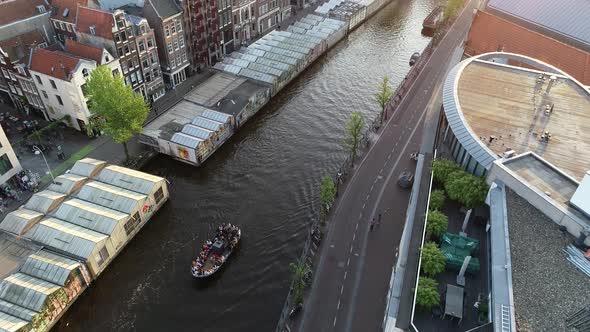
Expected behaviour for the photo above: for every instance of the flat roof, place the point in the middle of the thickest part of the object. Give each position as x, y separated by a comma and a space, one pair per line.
546, 287
509, 102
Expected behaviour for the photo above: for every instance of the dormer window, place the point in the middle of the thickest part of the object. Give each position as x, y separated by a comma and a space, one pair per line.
93, 30
106, 58
85, 72
41, 9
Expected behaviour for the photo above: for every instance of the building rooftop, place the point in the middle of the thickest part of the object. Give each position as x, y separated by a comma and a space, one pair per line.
549, 16
66, 10
84, 51
13, 253
16, 10
508, 105
546, 287
53, 63
18, 48
101, 20
165, 8
490, 33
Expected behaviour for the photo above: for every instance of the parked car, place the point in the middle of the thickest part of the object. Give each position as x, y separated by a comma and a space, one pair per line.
405, 179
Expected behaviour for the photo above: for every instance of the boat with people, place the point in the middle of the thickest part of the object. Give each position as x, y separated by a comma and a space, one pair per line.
215, 252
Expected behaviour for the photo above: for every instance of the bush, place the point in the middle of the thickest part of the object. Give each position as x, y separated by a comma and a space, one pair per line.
437, 199
437, 223
442, 168
433, 260
470, 191
427, 296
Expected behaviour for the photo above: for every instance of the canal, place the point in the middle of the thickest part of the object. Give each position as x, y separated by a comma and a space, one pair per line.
265, 179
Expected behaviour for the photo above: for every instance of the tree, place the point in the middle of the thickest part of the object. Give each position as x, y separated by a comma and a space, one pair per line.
111, 100
327, 194
437, 199
300, 270
437, 223
452, 8
433, 260
427, 296
442, 168
354, 130
383, 96
470, 191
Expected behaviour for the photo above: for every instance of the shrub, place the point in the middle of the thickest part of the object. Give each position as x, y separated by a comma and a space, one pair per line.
437, 199
437, 223
442, 168
470, 191
433, 260
427, 296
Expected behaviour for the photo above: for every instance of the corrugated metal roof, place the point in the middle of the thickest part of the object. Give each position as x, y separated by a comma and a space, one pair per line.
206, 123
65, 236
49, 267
11, 323
16, 311
481, 153
87, 166
89, 215
255, 75
186, 140
110, 196
66, 183
26, 291
569, 19
129, 179
216, 116
19, 221
197, 132
43, 200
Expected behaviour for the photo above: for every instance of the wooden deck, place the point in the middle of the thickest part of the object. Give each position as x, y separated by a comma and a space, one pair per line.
509, 104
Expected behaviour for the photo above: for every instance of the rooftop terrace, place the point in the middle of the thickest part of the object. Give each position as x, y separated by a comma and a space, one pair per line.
509, 104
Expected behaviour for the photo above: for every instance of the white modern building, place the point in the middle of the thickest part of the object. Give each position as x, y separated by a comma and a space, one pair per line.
60, 78
9, 164
244, 14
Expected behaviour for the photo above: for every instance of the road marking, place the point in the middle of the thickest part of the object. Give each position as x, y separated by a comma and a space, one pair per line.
353, 236
338, 306
364, 204
357, 226
389, 157
351, 248
372, 186
334, 321
367, 197
348, 261
345, 273
341, 289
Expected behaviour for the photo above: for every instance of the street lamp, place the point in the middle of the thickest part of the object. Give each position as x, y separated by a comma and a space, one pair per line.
39, 152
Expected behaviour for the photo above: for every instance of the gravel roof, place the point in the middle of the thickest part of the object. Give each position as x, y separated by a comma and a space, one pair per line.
547, 288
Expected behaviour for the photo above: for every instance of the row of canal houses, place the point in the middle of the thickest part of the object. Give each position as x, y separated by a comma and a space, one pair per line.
63, 238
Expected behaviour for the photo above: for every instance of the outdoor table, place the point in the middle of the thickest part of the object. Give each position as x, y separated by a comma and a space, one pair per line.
454, 302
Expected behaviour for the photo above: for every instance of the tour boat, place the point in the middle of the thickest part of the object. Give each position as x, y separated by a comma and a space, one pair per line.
215, 252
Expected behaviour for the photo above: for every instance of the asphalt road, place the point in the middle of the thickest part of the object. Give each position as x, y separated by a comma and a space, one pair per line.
352, 278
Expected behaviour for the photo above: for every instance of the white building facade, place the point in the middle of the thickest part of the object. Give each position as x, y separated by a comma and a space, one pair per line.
9, 164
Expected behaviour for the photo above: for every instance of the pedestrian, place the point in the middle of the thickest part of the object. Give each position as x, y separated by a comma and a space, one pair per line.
372, 224
379, 220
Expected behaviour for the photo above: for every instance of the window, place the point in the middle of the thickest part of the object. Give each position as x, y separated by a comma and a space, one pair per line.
120, 24
117, 38
173, 28
178, 61
133, 78
172, 63
53, 84
120, 51
92, 30
145, 62
148, 77
158, 195
102, 256
156, 73
132, 223
170, 49
183, 56
106, 59
178, 26
142, 29
181, 42
132, 46
127, 80
41, 9
2, 61
5, 164
115, 72
69, 26
45, 94
85, 72
124, 67
123, 36
167, 31
150, 43
130, 64
139, 77
59, 100
5, 72
175, 44
126, 49
141, 46
55, 24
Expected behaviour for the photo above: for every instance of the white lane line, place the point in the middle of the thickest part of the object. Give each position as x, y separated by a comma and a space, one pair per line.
360, 216
345, 273
341, 289
338, 306
354, 236
334, 321
357, 226
381, 170
373, 186
366, 198
351, 248
348, 261
389, 157
364, 205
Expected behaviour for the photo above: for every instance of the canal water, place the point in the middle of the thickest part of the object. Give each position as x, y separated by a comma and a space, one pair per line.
264, 179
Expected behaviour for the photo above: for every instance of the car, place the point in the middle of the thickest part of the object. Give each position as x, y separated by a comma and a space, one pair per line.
405, 179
